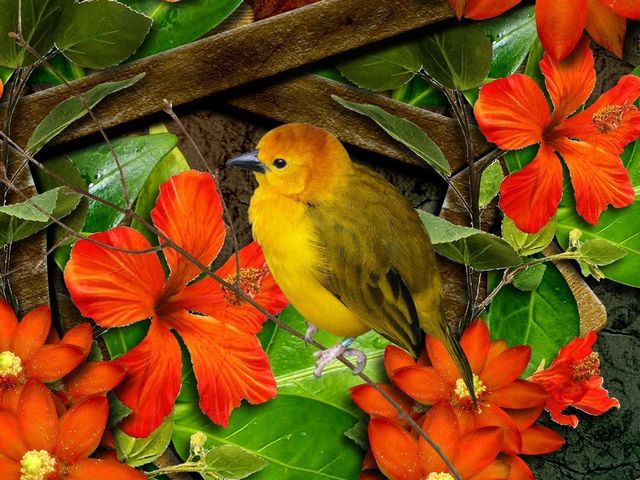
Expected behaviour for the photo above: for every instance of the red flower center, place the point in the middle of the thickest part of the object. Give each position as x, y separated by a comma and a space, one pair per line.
461, 397
11, 370
40, 465
250, 281
587, 368
609, 117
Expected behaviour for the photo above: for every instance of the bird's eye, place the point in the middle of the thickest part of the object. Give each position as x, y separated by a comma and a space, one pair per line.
279, 163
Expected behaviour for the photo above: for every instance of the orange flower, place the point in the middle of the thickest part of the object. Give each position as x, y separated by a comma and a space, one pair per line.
560, 23
117, 288
36, 444
88, 380
25, 353
573, 380
400, 455
513, 113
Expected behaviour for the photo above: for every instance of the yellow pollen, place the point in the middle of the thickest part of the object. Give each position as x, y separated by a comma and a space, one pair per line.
11, 370
609, 117
440, 476
462, 392
250, 281
38, 465
587, 368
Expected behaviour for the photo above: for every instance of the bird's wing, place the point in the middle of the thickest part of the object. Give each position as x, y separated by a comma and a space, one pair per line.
376, 257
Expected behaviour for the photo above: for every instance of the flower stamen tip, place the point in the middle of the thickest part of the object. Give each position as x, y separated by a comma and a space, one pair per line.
38, 465
609, 118
250, 282
461, 395
587, 368
11, 371
440, 476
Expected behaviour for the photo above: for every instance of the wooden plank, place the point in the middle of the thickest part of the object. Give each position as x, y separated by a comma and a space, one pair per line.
236, 57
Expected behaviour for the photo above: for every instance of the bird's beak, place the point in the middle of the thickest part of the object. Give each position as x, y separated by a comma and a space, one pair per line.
249, 161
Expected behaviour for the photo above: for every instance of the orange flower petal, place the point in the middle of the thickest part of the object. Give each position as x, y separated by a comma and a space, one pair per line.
54, 362
423, 384
525, 417
530, 196
441, 360
538, 440
560, 24
483, 9
37, 417
506, 367
396, 358
605, 27
519, 470
10, 468
441, 424
395, 451
458, 7
228, 363
495, 349
113, 287
555, 408
189, 212
81, 335
8, 325
626, 8
372, 402
596, 401
103, 469
152, 382
9, 398
475, 343
81, 429
93, 378
599, 179
493, 416
11, 444
496, 470
519, 394
512, 112
477, 450
31, 333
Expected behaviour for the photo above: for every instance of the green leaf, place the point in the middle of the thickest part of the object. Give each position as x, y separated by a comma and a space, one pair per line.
532, 68
5, 74
359, 433
43, 75
232, 462
530, 278
72, 109
513, 34
528, 244
481, 250
458, 57
404, 131
100, 33
140, 451
39, 21
117, 411
419, 93
138, 156
21, 220
172, 164
490, 183
176, 24
300, 432
601, 252
120, 340
517, 159
546, 318
384, 69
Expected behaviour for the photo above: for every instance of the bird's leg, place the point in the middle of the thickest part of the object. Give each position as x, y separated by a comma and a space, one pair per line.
311, 331
327, 356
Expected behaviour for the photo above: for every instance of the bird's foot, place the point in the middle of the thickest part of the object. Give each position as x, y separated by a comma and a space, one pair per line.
325, 357
311, 331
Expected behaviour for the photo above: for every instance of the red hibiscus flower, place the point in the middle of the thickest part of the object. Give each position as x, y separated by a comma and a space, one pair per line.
36, 444
25, 353
116, 288
513, 113
573, 380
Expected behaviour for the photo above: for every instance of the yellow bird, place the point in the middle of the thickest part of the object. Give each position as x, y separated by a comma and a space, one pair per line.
346, 248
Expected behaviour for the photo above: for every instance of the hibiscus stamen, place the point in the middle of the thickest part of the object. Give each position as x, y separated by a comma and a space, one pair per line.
11, 371
609, 117
440, 476
587, 368
39, 465
461, 395
250, 282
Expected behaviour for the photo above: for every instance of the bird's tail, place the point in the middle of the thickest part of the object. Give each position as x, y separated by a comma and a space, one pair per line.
459, 359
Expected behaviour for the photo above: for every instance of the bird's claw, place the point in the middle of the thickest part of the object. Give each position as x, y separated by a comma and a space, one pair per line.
325, 357
310, 333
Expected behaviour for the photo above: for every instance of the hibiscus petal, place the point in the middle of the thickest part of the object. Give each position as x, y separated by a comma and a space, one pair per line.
560, 24
475, 343
31, 333
81, 429
626, 8
525, 417
441, 424
8, 325
395, 451
597, 401
605, 27
496, 470
37, 417
477, 450
102, 469
54, 362
372, 402
113, 287
11, 444
396, 358
493, 416
598, 177
519, 470
81, 336
519, 394
570, 81
423, 384
512, 112
483, 9
506, 367
189, 212
93, 378
152, 382
538, 440
555, 408
530, 196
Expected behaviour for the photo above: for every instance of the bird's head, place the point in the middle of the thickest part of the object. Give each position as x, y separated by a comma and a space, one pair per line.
297, 160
